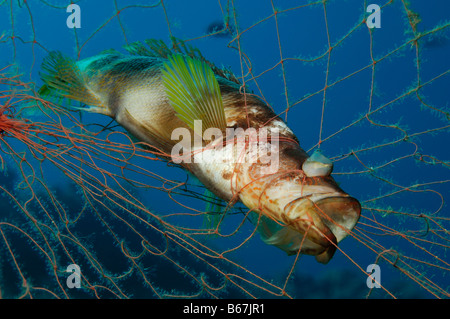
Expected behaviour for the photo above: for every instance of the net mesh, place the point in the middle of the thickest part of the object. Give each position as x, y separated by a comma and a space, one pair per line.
76, 189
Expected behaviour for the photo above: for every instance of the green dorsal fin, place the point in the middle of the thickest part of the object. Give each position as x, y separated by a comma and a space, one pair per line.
63, 78
109, 51
159, 49
154, 48
194, 92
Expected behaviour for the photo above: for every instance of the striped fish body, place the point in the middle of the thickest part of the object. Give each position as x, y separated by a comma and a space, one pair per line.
299, 206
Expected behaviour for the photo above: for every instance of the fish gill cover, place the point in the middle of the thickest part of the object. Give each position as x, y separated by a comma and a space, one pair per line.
80, 196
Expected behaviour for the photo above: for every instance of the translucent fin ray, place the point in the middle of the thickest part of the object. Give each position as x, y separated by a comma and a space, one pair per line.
194, 92
214, 211
64, 79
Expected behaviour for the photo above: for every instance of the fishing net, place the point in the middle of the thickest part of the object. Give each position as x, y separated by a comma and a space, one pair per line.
78, 193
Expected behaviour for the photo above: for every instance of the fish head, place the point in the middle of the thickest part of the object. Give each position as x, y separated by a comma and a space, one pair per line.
323, 212
323, 222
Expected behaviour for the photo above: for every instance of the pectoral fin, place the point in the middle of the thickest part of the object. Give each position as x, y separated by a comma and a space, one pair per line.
194, 92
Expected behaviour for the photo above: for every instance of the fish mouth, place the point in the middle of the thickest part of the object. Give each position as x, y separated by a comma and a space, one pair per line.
339, 214
324, 222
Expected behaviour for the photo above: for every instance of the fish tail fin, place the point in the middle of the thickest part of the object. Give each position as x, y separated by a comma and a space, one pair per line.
64, 79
